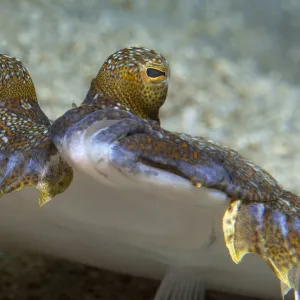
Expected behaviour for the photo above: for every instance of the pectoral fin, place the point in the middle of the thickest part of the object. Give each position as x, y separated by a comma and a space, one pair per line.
269, 229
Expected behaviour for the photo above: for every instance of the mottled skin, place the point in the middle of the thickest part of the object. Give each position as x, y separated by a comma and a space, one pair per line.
143, 95
262, 218
131, 86
27, 155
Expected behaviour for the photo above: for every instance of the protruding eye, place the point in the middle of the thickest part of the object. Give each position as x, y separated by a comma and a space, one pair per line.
154, 73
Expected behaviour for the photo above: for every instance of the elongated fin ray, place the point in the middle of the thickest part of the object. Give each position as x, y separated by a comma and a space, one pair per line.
284, 289
181, 284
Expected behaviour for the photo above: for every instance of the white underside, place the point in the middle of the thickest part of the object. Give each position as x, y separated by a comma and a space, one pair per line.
135, 226
139, 232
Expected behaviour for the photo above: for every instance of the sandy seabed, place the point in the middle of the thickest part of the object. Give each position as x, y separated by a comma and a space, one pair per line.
212, 94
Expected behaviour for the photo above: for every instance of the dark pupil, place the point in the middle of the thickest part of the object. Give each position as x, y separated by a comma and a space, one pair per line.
153, 73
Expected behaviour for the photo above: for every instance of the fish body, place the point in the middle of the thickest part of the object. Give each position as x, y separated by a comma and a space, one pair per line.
146, 232
143, 200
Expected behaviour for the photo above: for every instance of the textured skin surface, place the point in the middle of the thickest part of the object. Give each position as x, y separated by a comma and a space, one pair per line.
123, 76
17, 91
262, 218
269, 229
27, 155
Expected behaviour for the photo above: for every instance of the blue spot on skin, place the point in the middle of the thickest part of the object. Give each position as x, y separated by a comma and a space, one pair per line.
258, 212
280, 221
296, 224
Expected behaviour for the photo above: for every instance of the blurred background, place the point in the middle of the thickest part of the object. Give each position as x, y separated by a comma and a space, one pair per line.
234, 78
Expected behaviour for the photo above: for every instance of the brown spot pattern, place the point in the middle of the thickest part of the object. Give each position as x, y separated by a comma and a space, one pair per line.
27, 154
262, 218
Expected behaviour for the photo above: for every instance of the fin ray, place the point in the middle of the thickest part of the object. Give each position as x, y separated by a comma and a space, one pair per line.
181, 284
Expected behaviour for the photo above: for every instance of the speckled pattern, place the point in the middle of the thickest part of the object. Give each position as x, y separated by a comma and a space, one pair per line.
124, 76
195, 158
27, 155
17, 91
203, 162
262, 229
216, 58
